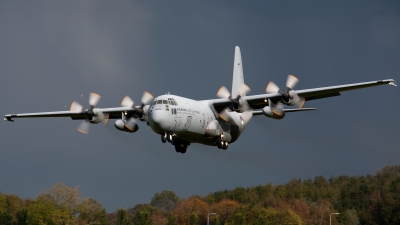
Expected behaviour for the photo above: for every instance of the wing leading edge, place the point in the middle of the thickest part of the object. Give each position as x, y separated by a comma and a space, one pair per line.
75, 115
260, 101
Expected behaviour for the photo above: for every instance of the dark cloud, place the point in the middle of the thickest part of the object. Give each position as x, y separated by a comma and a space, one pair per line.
51, 53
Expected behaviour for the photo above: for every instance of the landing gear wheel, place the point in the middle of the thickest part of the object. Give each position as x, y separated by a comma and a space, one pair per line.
180, 147
219, 143
225, 145
169, 137
177, 148
183, 149
164, 138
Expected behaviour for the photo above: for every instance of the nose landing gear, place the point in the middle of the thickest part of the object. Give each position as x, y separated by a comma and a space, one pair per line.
166, 137
180, 146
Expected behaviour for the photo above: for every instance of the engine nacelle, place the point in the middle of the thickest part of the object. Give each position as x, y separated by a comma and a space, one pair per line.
277, 114
145, 115
293, 98
238, 105
97, 117
121, 125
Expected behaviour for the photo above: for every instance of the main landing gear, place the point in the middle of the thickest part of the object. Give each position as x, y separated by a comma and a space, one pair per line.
180, 147
221, 144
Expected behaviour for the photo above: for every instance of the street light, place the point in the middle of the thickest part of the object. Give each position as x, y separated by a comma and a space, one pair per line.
330, 218
208, 217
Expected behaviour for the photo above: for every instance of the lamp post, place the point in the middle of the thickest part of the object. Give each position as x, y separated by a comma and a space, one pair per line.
330, 218
208, 217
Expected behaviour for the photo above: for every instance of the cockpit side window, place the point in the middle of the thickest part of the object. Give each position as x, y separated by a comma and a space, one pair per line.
165, 102
159, 102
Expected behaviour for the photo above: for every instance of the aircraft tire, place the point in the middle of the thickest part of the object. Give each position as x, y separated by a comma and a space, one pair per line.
169, 137
164, 138
218, 142
177, 148
183, 149
225, 145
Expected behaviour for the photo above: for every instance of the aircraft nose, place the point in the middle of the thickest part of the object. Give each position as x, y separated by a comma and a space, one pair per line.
160, 118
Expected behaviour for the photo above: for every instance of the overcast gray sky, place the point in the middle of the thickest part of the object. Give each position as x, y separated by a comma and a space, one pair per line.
52, 52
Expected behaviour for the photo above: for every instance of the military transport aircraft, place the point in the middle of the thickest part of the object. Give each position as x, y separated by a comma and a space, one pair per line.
215, 122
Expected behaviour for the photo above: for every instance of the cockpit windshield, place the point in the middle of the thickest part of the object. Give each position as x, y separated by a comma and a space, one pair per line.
170, 101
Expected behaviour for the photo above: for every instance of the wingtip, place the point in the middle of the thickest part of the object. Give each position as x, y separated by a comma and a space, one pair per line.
8, 118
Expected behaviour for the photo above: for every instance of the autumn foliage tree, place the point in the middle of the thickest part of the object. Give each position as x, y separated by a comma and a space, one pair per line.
370, 200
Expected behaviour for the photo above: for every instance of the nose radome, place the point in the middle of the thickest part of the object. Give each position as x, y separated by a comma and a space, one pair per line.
160, 117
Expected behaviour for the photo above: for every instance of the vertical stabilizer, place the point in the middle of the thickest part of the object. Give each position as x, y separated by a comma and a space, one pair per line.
238, 86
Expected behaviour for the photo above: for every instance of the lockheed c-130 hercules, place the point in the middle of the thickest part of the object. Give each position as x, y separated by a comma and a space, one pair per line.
215, 122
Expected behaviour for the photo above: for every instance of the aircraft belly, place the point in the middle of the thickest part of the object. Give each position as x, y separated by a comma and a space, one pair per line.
193, 137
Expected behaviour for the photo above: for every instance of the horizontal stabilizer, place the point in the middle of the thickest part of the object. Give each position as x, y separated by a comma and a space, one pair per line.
256, 113
296, 110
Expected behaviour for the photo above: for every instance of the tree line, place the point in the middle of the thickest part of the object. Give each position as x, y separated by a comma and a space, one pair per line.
372, 200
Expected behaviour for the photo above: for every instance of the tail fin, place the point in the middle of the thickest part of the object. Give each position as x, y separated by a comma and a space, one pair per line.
238, 86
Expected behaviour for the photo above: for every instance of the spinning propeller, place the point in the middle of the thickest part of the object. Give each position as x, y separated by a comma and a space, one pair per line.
289, 96
93, 115
237, 104
138, 111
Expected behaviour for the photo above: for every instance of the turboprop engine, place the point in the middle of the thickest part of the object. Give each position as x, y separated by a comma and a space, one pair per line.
127, 126
273, 112
289, 96
95, 116
128, 121
238, 104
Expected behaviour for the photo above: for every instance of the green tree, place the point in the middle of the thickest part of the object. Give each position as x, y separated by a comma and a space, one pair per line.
349, 217
194, 218
5, 218
122, 217
91, 212
65, 202
238, 218
22, 217
166, 200
142, 215
171, 219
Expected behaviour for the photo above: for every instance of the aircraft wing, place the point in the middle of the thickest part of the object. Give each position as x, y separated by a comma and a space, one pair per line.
260, 101
75, 115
